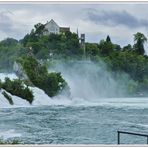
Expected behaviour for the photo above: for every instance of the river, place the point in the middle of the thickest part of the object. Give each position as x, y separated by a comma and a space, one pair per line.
92, 115
77, 124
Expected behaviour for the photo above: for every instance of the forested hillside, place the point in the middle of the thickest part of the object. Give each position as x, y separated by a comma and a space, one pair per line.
130, 59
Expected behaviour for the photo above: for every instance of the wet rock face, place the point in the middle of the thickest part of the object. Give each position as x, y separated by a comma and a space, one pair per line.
18, 69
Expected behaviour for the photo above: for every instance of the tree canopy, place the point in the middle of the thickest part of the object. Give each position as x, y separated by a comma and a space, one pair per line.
140, 39
130, 59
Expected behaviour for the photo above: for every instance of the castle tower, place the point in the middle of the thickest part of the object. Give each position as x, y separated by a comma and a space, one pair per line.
82, 39
77, 33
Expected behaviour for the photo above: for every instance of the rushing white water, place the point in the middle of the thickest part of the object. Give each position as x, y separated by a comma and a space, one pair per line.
92, 81
9, 75
90, 85
18, 102
9, 134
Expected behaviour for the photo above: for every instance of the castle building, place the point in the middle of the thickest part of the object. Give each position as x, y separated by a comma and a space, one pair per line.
53, 27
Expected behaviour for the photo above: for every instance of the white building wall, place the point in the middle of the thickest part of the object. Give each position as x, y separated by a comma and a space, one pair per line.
51, 27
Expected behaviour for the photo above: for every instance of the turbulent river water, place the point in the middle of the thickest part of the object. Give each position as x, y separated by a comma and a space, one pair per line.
79, 124
89, 116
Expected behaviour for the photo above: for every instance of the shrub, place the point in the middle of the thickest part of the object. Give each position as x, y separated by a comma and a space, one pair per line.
8, 97
13, 141
16, 87
53, 84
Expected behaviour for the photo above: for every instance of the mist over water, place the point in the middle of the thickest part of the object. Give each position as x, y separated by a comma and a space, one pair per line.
90, 84
92, 81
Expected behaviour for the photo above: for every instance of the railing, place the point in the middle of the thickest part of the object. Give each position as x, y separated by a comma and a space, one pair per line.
130, 133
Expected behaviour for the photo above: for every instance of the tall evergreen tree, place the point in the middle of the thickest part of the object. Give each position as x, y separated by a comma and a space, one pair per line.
108, 39
140, 39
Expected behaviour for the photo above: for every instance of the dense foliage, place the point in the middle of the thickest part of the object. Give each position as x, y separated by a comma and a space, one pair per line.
130, 59
10, 49
51, 83
47, 46
17, 88
140, 39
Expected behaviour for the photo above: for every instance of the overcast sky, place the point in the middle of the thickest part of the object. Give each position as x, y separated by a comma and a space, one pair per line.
120, 21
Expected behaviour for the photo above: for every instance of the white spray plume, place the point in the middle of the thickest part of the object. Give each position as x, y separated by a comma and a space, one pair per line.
92, 81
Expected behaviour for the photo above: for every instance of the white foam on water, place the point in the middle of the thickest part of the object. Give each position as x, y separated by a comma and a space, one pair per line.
3, 101
9, 134
18, 102
9, 75
142, 125
77, 98
126, 102
40, 98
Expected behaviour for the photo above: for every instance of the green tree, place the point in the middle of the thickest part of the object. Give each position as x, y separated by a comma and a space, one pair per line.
105, 47
117, 47
39, 29
127, 47
108, 39
16, 87
92, 49
140, 39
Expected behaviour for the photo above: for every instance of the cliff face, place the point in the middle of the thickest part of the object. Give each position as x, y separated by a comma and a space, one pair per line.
18, 69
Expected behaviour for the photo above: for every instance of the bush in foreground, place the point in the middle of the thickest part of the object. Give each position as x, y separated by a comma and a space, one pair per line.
16, 87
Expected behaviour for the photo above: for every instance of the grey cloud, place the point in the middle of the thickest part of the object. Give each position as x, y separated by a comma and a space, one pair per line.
9, 27
113, 18
6, 24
